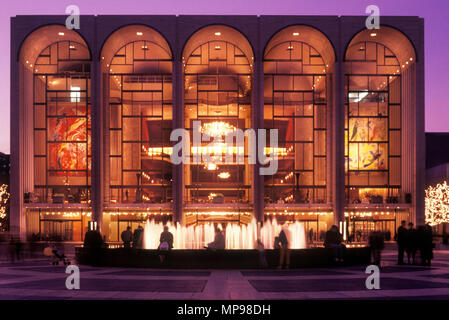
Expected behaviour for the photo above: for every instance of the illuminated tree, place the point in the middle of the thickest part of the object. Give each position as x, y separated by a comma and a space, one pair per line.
4, 206
437, 204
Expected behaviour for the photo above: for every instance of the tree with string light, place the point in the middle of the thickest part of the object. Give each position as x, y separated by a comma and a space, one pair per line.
437, 204
4, 207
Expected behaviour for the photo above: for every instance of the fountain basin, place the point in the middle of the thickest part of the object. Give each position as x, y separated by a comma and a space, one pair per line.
224, 259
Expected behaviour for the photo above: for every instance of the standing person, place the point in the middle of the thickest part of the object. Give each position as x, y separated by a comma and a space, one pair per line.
411, 244
93, 241
12, 249
33, 245
127, 237
262, 258
138, 238
284, 252
426, 244
358, 236
166, 243
376, 243
276, 244
19, 246
334, 240
311, 235
401, 239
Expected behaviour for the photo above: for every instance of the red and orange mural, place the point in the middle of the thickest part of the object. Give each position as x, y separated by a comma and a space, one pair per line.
70, 148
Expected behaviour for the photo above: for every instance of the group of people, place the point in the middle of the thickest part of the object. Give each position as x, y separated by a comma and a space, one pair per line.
411, 240
135, 238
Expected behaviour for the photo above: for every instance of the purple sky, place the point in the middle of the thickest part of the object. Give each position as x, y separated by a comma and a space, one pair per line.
435, 13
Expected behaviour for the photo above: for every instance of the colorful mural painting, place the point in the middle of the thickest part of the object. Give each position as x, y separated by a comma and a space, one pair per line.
69, 152
363, 153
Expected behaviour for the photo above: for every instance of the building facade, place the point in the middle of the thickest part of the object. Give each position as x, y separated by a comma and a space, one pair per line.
92, 111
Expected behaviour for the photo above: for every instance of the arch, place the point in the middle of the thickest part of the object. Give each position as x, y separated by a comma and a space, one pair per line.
218, 32
42, 37
132, 33
392, 38
306, 34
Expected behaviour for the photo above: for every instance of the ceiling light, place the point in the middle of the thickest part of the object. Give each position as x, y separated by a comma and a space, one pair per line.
224, 175
218, 33
217, 128
289, 48
139, 33
295, 34
72, 47
373, 34
217, 47
211, 166
61, 33
358, 96
211, 195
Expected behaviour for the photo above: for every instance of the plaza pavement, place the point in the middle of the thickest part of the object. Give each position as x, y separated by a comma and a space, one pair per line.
38, 279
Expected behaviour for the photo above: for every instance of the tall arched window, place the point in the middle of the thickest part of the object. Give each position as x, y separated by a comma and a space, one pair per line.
296, 97
375, 63
217, 92
138, 64
60, 62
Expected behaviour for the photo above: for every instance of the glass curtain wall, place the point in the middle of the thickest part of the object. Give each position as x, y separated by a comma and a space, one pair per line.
372, 124
217, 92
140, 122
62, 128
295, 103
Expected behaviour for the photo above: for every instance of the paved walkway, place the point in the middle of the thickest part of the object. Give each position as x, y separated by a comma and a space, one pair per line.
37, 279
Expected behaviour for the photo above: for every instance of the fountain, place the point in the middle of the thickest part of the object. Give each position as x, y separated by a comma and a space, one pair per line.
237, 236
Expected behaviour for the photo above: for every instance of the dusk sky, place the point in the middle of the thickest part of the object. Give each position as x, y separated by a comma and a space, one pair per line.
435, 13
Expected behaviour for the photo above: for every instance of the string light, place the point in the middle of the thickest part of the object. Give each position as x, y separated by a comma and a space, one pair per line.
217, 148
437, 204
4, 197
291, 213
139, 213
218, 213
67, 214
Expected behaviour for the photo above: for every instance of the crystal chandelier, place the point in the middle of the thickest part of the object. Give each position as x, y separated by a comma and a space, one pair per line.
217, 128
